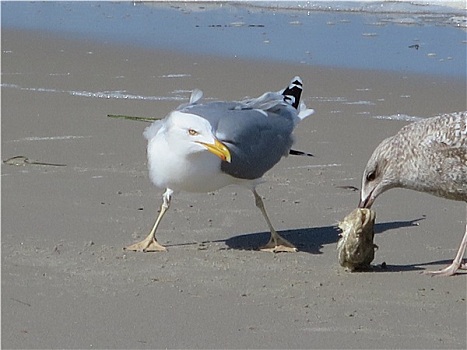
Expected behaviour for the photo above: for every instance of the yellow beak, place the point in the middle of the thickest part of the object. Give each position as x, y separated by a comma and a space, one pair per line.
219, 149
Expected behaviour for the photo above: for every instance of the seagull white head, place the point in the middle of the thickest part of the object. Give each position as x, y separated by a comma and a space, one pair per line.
192, 134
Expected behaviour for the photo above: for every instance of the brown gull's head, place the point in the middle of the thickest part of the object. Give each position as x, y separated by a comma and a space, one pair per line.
381, 173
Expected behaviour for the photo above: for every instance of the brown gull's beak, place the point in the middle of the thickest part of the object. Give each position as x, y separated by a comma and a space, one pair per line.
367, 202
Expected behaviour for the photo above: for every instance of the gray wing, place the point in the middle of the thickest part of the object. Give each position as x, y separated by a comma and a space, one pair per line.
257, 138
445, 146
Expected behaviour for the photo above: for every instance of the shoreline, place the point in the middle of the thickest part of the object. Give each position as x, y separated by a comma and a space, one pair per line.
424, 44
191, 61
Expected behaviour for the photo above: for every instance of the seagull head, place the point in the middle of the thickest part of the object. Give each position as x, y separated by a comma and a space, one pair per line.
381, 173
190, 133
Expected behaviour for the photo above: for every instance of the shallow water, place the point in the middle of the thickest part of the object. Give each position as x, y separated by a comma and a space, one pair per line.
404, 38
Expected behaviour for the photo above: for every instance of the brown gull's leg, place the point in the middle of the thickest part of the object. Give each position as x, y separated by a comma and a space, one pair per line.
457, 262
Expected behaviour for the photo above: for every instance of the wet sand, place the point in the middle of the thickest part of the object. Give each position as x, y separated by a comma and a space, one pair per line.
67, 283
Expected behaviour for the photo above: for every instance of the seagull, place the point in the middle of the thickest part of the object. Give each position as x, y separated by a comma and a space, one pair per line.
427, 156
202, 147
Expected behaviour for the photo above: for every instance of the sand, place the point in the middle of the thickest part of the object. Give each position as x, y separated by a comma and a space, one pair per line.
67, 283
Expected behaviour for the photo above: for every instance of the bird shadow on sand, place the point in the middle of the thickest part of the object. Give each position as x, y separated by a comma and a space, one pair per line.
310, 240
386, 226
414, 267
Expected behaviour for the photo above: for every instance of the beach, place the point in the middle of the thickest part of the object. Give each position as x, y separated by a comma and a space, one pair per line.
68, 283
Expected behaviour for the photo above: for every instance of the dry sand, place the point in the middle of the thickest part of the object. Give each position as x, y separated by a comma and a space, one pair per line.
67, 283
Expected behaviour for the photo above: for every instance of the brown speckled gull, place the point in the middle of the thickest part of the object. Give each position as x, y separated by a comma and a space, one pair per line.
427, 156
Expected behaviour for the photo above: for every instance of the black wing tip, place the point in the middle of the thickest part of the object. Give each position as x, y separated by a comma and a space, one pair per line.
295, 152
293, 92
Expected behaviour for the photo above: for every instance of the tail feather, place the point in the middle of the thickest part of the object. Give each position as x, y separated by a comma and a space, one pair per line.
304, 112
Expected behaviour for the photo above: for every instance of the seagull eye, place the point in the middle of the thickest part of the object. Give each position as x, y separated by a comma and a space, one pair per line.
192, 132
371, 176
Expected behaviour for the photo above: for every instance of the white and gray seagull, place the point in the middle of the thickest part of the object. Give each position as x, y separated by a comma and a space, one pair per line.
427, 156
202, 147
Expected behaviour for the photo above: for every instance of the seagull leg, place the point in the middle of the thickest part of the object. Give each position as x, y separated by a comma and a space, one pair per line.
457, 262
150, 244
276, 243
